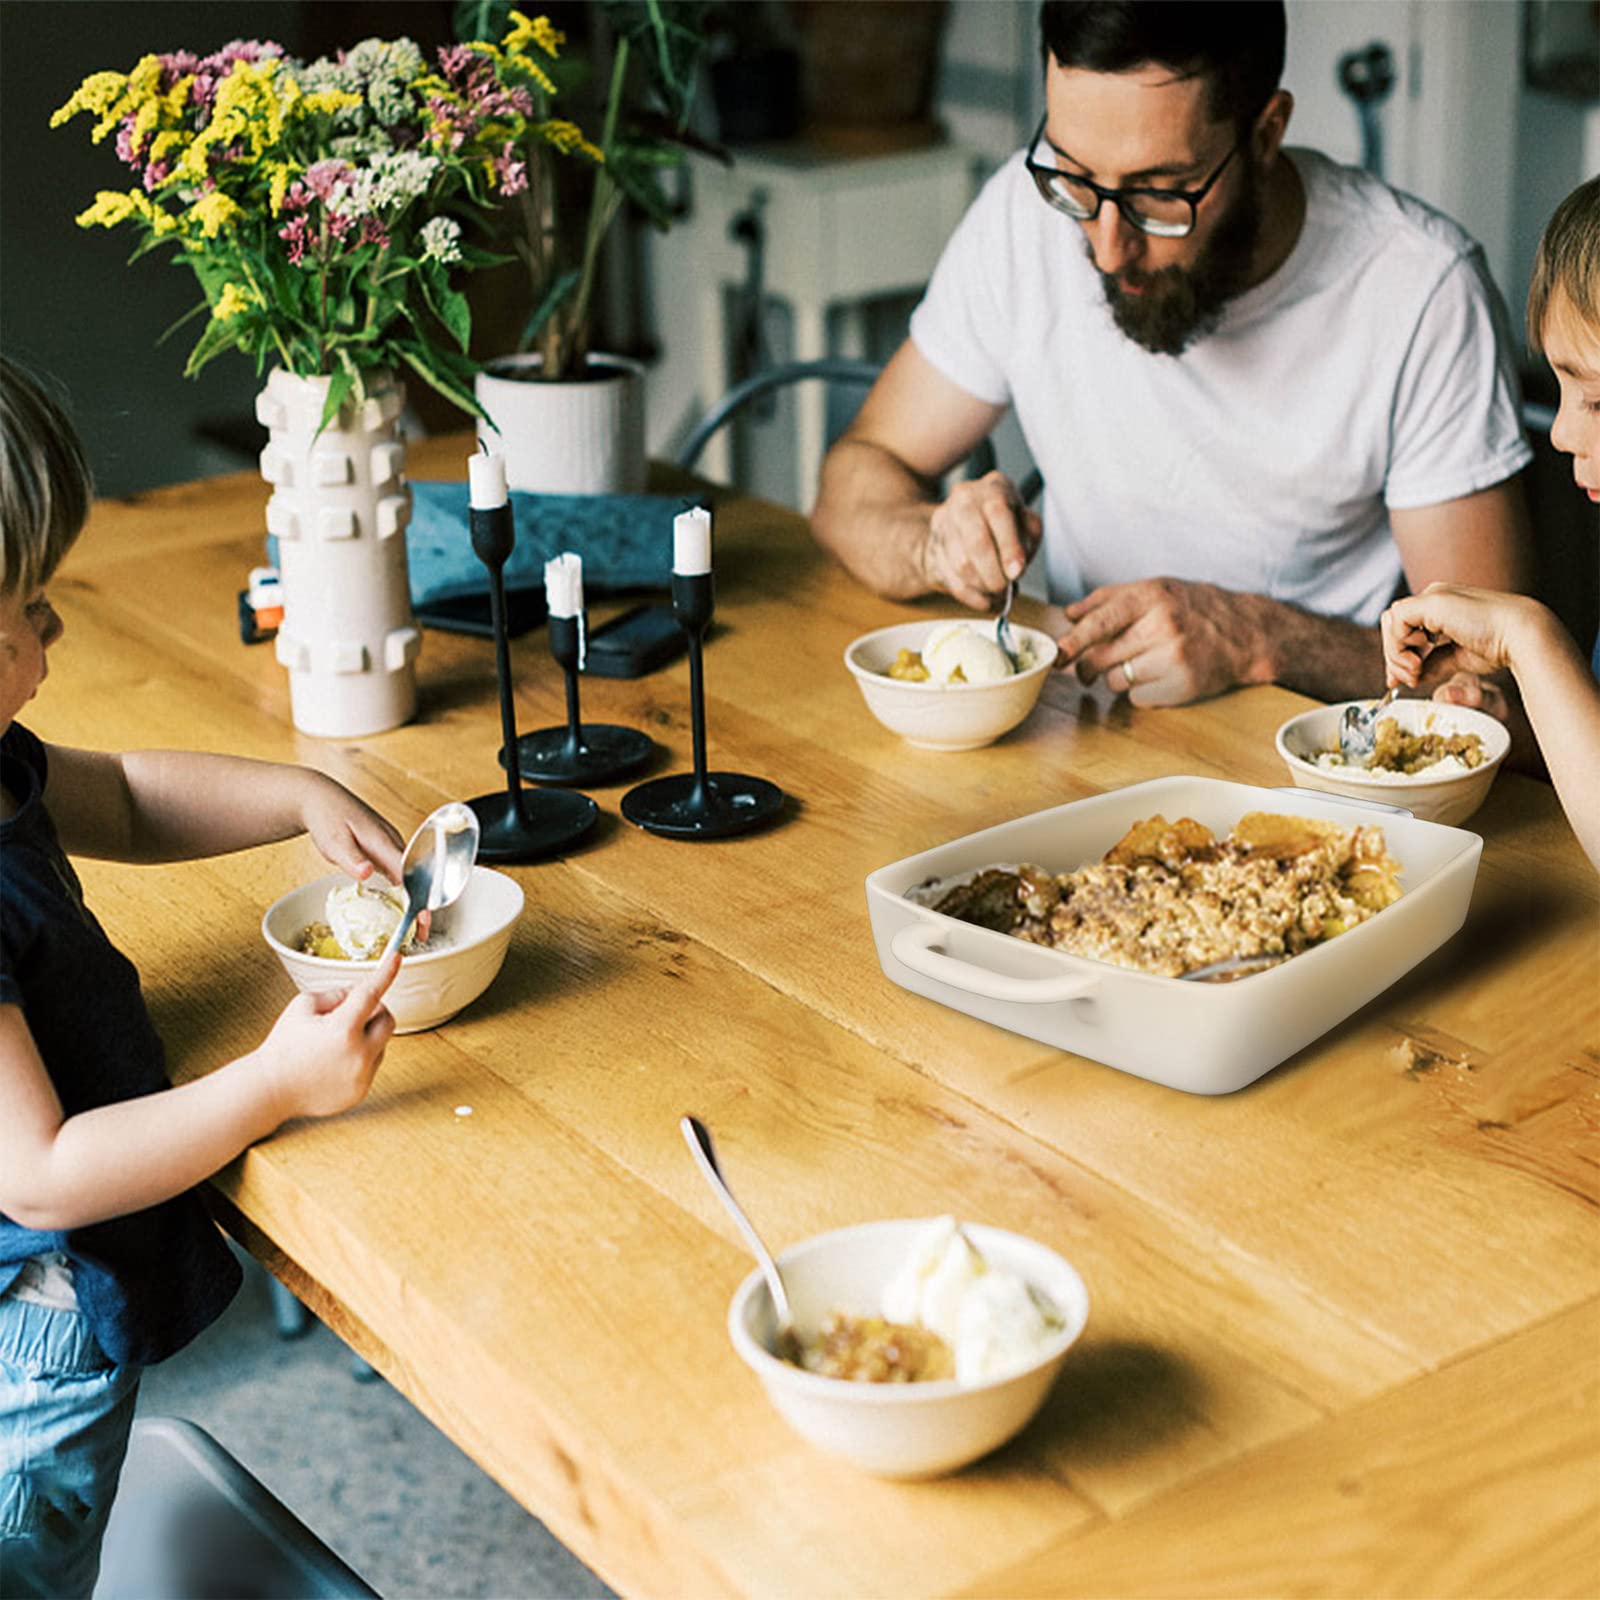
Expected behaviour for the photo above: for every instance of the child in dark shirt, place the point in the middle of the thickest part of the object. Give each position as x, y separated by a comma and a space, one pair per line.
108, 1261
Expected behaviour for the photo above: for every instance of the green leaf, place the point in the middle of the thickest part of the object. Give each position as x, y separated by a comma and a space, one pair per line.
188, 316
425, 364
339, 387
555, 297
219, 336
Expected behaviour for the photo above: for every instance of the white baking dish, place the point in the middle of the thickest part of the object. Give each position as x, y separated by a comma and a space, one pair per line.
1207, 1038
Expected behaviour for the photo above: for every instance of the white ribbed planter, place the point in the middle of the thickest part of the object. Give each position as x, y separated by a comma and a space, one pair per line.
339, 509
580, 436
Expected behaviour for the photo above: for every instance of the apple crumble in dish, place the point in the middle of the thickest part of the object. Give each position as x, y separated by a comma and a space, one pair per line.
875, 1350
1171, 897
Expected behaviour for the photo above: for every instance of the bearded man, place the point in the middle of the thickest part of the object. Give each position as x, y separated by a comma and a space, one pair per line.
1266, 392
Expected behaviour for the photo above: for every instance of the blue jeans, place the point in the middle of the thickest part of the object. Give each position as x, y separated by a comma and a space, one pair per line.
65, 1412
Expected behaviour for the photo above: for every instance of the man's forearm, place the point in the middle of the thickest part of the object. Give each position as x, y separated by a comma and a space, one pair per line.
1328, 657
872, 515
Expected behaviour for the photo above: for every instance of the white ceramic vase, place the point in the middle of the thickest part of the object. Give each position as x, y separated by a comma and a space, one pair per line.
339, 508
579, 436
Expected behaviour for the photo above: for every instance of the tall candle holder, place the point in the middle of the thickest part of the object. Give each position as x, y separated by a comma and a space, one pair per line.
699, 804
593, 752
517, 825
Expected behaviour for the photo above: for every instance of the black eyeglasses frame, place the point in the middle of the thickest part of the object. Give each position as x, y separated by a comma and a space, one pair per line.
1043, 176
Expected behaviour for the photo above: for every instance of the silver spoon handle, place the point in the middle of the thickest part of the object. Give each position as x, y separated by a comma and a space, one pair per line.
698, 1137
401, 929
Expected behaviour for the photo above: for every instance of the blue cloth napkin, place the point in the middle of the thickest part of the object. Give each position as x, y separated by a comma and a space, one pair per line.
625, 540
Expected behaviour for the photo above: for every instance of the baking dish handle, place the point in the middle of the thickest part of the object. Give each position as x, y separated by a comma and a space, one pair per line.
1343, 799
912, 946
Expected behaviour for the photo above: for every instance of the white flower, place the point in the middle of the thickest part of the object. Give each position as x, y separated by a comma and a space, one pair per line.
441, 240
392, 180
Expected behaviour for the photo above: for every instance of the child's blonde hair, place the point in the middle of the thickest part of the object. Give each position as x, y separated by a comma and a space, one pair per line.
45, 487
1568, 260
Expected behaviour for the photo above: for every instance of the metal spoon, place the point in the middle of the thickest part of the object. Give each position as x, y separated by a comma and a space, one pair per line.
438, 862
1357, 727
1234, 967
1003, 635
698, 1138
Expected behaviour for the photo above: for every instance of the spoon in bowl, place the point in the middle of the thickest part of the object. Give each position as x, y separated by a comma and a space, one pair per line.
1358, 725
1003, 636
698, 1138
438, 862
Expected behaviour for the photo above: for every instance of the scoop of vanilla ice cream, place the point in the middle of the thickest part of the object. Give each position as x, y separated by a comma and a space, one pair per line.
363, 915
971, 647
928, 1290
1002, 1327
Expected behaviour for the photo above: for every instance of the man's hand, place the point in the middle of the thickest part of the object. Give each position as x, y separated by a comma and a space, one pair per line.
1163, 641
979, 539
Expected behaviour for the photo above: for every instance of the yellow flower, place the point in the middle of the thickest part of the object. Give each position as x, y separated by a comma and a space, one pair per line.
234, 301
213, 211
109, 209
567, 137
329, 100
282, 174
98, 91
540, 31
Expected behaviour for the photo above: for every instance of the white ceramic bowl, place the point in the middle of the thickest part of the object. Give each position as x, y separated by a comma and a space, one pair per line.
897, 1430
958, 716
1450, 799
432, 985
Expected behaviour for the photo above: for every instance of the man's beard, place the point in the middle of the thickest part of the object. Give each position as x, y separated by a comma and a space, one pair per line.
1182, 304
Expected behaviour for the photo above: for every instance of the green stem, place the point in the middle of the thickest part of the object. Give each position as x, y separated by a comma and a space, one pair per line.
603, 206
277, 338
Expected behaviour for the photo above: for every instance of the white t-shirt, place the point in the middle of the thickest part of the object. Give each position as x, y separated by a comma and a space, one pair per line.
1372, 370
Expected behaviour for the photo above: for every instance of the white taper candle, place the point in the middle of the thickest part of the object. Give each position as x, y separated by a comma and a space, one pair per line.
691, 542
487, 475
563, 585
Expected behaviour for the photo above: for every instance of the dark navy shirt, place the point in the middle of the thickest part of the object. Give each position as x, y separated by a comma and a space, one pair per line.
149, 1282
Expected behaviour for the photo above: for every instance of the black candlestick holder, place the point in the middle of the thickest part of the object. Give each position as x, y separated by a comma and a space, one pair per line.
700, 804
581, 752
517, 825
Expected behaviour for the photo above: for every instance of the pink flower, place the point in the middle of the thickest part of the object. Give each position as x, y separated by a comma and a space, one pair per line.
323, 177
512, 174
297, 234
156, 174
373, 232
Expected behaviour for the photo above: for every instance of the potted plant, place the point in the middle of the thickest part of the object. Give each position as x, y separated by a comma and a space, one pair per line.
319, 207
568, 418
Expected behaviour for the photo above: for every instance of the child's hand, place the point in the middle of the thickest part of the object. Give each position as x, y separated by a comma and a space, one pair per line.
1475, 692
1446, 630
348, 832
324, 1050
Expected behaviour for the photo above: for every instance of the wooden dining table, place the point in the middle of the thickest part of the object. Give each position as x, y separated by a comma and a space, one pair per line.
1344, 1327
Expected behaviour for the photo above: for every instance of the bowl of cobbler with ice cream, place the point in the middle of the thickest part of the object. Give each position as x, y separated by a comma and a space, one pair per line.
328, 934
1437, 761
948, 685
921, 1343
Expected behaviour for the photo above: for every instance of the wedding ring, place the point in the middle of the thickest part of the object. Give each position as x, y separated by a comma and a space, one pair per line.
1127, 673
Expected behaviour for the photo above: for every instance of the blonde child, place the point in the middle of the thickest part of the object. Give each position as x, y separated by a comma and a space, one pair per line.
1446, 632
108, 1261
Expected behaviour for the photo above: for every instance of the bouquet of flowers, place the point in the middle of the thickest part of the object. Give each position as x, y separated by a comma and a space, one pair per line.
320, 205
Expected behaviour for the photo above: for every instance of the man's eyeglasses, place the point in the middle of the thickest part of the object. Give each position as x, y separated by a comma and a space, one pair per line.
1166, 213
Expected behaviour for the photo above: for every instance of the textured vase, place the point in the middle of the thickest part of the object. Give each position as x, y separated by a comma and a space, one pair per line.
339, 508
578, 436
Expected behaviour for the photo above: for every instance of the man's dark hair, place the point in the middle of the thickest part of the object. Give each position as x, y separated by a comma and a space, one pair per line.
1237, 45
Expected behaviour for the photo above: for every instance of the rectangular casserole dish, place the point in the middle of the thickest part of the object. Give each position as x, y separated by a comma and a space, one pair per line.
1205, 1038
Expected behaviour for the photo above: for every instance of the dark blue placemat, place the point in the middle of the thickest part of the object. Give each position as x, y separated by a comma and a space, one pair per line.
625, 540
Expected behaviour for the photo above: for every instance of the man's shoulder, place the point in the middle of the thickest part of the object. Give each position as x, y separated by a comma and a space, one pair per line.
1367, 218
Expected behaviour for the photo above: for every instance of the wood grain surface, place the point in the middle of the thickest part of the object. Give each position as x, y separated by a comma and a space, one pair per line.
1343, 1336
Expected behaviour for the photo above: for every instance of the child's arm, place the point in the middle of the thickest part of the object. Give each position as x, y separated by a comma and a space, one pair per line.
59, 1172
173, 805
1428, 636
